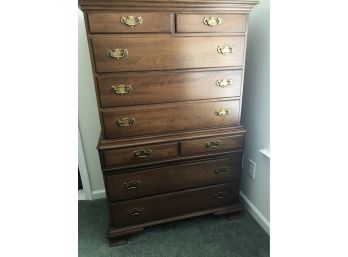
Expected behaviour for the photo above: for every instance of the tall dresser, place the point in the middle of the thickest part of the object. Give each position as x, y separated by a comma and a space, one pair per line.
169, 83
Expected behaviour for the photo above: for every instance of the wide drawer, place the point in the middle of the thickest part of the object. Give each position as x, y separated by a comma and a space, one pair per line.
115, 22
139, 154
208, 22
211, 144
172, 178
139, 89
113, 54
173, 204
144, 120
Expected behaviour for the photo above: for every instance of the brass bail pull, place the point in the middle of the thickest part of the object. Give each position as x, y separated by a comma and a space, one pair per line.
132, 21
224, 83
222, 112
135, 211
117, 53
220, 195
131, 184
143, 153
221, 171
121, 89
212, 21
212, 144
125, 122
225, 50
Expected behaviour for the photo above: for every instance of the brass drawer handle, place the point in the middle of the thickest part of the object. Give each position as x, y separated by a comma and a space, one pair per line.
121, 89
224, 83
125, 122
131, 184
225, 50
131, 21
212, 144
221, 171
135, 211
117, 53
222, 112
143, 153
212, 21
220, 195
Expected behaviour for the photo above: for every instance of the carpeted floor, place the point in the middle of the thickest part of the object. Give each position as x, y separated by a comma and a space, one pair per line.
206, 236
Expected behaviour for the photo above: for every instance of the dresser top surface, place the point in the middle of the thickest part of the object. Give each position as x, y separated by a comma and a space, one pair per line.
175, 1
170, 3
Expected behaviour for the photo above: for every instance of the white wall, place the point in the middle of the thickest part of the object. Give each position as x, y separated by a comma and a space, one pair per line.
89, 124
255, 110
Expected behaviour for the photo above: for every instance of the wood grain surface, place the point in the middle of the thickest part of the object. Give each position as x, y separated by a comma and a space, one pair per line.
166, 52
110, 22
156, 119
172, 204
168, 87
172, 178
193, 22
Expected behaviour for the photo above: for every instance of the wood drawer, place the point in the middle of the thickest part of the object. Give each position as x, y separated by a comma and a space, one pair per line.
139, 154
210, 144
172, 178
168, 87
167, 52
210, 22
114, 22
172, 204
155, 119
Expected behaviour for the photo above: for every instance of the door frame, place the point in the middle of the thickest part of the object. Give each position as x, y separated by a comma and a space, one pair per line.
84, 171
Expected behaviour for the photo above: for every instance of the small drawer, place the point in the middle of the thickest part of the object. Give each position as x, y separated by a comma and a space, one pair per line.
211, 144
173, 178
155, 119
123, 90
139, 154
114, 22
210, 22
163, 206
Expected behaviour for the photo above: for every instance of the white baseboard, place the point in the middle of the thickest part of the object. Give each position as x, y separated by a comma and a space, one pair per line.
98, 194
257, 215
81, 195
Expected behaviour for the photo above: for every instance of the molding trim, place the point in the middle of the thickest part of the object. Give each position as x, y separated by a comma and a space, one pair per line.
257, 215
266, 153
98, 194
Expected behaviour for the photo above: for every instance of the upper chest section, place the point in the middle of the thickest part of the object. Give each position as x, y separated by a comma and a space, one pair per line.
166, 16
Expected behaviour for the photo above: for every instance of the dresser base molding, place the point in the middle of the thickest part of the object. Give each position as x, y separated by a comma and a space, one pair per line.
118, 236
237, 208
117, 241
233, 216
105, 144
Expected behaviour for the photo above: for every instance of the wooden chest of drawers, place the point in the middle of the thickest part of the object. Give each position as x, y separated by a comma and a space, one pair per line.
169, 82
